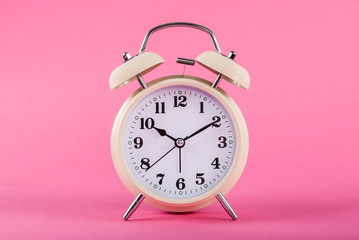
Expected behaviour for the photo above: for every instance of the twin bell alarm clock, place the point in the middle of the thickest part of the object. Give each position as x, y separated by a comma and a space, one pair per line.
179, 142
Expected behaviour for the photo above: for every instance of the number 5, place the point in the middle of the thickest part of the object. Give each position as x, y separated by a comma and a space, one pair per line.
200, 179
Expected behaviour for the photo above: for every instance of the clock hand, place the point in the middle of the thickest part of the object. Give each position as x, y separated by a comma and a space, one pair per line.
163, 132
180, 167
160, 158
216, 120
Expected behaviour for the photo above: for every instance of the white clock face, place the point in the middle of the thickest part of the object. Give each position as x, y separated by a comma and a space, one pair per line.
179, 142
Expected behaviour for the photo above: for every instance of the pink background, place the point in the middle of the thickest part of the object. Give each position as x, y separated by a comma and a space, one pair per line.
57, 180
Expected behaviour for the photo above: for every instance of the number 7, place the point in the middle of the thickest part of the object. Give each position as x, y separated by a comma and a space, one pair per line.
161, 176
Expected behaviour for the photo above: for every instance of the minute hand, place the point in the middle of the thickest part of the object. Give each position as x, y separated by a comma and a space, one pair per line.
201, 129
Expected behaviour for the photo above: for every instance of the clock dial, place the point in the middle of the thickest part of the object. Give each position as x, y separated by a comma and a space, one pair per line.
179, 142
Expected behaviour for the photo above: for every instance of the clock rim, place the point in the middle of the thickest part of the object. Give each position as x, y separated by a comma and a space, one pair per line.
190, 204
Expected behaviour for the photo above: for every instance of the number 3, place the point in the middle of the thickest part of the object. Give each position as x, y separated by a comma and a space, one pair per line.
222, 142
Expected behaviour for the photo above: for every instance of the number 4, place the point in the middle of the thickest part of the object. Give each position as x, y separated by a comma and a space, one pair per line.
215, 163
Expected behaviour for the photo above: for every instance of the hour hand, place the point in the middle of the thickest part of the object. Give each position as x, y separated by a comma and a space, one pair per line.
163, 132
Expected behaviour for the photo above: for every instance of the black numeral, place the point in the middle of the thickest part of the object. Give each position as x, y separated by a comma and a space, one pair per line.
222, 142
148, 123
180, 101
216, 120
200, 179
215, 163
160, 107
201, 107
180, 184
138, 142
161, 176
145, 163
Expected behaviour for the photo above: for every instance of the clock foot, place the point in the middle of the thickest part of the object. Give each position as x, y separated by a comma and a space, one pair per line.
226, 206
133, 206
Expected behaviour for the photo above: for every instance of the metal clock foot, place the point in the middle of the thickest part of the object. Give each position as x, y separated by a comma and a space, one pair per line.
226, 206
133, 206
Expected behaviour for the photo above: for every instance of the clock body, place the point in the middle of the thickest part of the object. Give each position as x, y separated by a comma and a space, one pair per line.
179, 142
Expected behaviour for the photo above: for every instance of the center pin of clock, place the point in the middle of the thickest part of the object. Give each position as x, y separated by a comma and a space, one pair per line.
180, 142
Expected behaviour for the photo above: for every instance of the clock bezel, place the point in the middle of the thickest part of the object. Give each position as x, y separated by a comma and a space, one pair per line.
190, 204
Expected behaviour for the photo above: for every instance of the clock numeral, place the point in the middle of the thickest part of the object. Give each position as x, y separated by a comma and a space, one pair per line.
180, 184
161, 176
145, 163
222, 142
215, 163
180, 101
160, 107
200, 179
148, 123
216, 120
138, 142
201, 107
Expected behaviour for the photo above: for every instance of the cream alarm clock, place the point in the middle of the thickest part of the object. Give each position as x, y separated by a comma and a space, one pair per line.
179, 142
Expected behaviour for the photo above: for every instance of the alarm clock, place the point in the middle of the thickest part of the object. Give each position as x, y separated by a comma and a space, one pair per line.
179, 142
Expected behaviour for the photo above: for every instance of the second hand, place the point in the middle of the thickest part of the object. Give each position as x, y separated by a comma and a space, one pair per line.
160, 158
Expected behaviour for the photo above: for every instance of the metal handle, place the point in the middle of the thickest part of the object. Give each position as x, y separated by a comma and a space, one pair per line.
179, 24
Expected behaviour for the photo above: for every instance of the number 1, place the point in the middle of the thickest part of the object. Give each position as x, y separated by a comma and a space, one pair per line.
201, 107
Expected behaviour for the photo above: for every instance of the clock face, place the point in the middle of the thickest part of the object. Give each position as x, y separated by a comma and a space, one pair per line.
179, 142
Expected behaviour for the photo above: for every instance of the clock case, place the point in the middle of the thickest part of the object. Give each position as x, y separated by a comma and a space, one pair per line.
134, 68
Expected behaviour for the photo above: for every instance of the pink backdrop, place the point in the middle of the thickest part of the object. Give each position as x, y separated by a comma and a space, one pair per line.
57, 180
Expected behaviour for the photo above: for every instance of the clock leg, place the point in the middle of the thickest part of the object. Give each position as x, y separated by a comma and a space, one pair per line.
226, 206
133, 206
